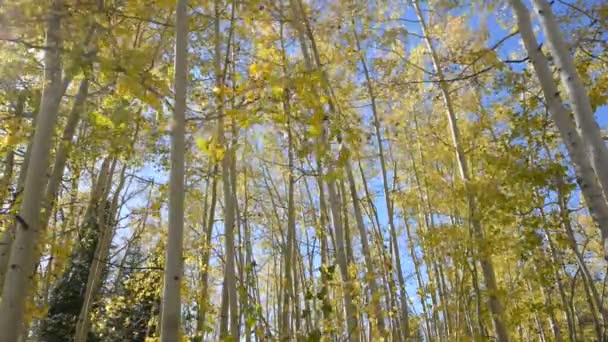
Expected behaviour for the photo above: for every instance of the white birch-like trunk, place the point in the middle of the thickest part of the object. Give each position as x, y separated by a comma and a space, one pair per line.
23, 251
588, 128
8, 235
585, 175
171, 300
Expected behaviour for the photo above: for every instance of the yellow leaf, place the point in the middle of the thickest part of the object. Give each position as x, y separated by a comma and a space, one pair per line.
101, 120
166, 4
202, 144
254, 69
277, 91
219, 152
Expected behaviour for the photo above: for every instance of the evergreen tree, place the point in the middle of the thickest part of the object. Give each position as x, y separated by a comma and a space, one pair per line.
66, 297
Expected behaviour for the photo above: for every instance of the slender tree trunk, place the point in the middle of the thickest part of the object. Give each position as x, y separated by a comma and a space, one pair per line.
289, 295
106, 227
371, 276
388, 282
556, 261
387, 194
63, 152
23, 251
594, 299
424, 212
204, 300
301, 23
8, 235
421, 285
171, 304
289, 256
230, 299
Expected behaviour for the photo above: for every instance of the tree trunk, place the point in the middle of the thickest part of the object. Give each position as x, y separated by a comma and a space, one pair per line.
63, 152
230, 299
301, 23
421, 287
371, 276
8, 235
289, 297
171, 302
23, 251
106, 227
204, 300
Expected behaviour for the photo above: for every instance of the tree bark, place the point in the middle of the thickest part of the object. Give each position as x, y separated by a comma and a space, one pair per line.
23, 251
8, 235
171, 300
371, 275
63, 152
230, 299
107, 225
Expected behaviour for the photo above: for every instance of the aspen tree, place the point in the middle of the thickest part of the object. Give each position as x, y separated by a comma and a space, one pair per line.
229, 306
23, 250
8, 234
171, 299
64, 149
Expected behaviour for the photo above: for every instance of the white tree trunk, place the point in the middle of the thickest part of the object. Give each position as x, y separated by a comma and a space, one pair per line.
171, 302
585, 175
23, 252
588, 128
8, 235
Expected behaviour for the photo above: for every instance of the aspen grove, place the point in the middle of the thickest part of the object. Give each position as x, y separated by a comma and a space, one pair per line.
303, 170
